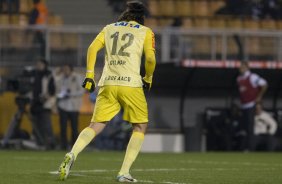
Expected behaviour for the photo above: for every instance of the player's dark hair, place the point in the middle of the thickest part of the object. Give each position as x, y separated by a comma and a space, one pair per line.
135, 10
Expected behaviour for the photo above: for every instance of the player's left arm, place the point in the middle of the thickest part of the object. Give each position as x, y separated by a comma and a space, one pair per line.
262, 84
261, 93
150, 58
95, 46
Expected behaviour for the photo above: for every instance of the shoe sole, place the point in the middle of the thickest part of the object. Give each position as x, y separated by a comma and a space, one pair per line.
62, 171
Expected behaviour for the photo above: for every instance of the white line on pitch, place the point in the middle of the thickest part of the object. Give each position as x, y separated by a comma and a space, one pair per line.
74, 173
136, 170
166, 170
86, 171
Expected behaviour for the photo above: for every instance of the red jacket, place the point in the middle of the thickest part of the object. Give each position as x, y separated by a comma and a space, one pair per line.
248, 92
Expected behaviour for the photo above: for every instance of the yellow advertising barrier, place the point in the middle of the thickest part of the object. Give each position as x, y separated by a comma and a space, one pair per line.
8, 108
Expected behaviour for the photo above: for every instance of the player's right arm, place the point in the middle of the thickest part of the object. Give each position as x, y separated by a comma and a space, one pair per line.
150, 58
95, 46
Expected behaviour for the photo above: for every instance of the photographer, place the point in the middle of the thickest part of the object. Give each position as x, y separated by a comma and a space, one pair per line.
43, 99
69, 95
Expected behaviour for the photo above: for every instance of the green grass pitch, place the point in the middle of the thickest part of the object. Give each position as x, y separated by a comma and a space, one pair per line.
22, 167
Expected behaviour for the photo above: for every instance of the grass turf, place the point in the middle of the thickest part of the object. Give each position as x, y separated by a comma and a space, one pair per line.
101, 168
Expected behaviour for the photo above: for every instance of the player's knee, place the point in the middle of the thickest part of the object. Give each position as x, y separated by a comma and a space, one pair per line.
140, 127
97, 127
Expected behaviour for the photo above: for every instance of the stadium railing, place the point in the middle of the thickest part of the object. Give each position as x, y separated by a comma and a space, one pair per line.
19, 45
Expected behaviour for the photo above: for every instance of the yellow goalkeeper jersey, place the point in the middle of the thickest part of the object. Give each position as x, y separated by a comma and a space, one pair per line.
124, 44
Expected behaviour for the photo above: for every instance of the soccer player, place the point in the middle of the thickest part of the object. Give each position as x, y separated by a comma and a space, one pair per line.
120, 84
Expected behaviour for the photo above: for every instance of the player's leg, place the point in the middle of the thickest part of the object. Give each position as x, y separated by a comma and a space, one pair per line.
84, 138
132, 151
135, 111
106, 108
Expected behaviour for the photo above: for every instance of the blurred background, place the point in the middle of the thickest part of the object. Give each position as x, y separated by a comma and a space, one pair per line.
194, 104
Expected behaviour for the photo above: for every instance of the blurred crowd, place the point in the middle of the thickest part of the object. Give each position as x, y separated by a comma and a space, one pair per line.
258, 9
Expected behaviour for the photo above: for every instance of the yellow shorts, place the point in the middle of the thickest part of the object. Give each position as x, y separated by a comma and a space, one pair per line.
111, 99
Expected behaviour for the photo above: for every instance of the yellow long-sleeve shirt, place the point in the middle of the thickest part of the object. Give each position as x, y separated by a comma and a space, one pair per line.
124, 43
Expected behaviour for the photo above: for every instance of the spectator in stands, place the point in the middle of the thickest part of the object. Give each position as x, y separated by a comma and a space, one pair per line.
43, 100
251, 88
39, 13
264, 130
39, 17
69, 101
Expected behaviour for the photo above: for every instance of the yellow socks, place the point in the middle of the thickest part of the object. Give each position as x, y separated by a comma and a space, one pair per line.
133, 147
132, 151
84, 138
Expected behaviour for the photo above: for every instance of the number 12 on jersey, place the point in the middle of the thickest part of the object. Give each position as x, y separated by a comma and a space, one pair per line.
127, 38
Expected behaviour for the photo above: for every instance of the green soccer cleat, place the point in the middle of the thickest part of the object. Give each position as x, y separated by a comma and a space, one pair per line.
65, 166
127, 178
